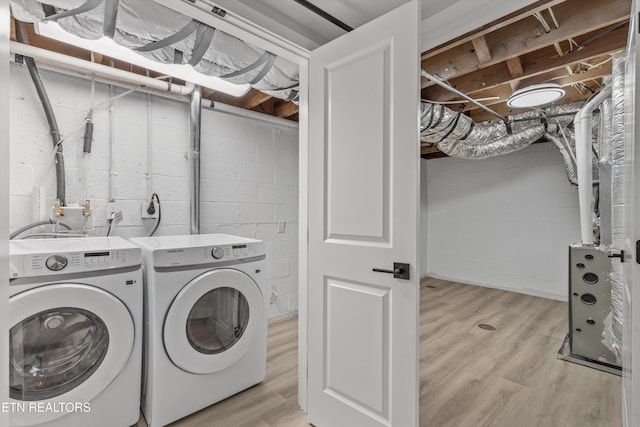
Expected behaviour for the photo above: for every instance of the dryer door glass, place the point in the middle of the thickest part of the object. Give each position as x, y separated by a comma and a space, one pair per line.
54, 351
217, 320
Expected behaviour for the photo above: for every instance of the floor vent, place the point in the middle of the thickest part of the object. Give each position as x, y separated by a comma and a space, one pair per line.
430, 286
486, 327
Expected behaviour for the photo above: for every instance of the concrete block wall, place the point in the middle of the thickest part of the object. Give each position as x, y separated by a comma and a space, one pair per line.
249, 169
503, 222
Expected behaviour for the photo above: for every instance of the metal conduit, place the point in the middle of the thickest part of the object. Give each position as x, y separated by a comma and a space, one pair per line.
195, 114
54, 131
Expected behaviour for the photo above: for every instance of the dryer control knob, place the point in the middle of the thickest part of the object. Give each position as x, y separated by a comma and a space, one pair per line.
56, 262
217, 252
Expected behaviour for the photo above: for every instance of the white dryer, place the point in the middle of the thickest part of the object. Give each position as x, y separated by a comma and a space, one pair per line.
75, 313
205, 320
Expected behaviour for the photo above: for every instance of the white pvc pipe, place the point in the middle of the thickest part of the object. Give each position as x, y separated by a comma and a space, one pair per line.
237, 111
77, 65
582, 124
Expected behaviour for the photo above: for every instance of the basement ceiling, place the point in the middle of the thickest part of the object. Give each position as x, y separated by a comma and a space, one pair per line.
569, 42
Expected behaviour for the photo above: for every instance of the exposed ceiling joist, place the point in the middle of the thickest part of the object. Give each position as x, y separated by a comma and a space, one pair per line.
533, 64
575, 17
493, 26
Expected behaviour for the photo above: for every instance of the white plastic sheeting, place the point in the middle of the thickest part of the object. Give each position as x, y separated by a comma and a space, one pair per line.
612, 332
165, 36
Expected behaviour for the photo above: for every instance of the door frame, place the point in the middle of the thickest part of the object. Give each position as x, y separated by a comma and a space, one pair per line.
4, 213
435, 30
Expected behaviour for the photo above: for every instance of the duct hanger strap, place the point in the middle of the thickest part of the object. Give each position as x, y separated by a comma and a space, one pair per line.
110, 15
265, 69
85, 7
181, 34
255, 64
204, 37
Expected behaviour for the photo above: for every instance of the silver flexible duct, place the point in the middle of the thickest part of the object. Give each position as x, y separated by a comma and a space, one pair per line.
567, 159
457, 135
161, 34
195, 114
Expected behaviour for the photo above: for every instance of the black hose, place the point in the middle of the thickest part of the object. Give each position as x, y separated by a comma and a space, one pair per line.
34, 225
21, 36
155, 196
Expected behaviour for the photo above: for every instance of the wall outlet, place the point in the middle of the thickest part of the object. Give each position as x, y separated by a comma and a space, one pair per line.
280, 227
146, 215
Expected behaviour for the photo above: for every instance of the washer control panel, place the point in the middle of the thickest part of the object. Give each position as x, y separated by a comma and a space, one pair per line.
46, 264
208, 254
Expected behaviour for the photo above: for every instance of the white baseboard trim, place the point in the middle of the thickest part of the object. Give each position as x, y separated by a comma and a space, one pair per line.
525, 291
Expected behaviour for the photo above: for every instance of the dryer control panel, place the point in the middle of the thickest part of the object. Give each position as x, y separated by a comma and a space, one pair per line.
48, 264
208, 254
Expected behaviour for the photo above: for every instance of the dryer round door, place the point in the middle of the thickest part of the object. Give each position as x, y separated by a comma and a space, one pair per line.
212, 321
67, 343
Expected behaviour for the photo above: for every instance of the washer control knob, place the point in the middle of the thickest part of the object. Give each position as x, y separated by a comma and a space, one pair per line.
56, 262
217, 252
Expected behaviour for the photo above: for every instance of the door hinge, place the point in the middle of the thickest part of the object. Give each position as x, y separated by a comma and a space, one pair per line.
638, 251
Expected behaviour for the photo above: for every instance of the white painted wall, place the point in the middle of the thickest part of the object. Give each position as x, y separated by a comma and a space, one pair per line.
249, 169
503, 222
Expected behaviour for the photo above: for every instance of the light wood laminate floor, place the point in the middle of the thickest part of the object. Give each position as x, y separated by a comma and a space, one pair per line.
469, 377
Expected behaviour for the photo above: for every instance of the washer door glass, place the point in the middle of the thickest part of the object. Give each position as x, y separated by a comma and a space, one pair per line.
217, 320
212, 322
53, 351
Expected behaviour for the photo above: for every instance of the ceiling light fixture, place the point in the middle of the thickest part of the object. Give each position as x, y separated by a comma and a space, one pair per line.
108, 47
535, 95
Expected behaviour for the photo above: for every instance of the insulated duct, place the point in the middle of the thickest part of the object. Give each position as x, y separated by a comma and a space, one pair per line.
457, 135
195, 114
161, 34
613, 324
54, 131
567, 159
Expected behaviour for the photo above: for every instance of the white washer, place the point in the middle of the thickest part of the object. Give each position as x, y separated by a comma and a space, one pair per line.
75, 311
206, 322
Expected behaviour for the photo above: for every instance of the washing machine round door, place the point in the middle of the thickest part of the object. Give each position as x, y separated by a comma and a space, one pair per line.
211, 322
67, 343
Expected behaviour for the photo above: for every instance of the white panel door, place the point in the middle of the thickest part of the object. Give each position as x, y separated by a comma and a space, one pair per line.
363, 214
631, 321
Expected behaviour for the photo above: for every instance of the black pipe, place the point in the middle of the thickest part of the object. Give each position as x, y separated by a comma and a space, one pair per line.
88, 137
322, 13
54, 131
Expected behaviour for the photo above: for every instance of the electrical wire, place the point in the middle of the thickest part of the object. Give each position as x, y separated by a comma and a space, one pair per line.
155, 195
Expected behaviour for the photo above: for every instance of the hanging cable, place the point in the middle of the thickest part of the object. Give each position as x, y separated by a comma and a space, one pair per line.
155, 196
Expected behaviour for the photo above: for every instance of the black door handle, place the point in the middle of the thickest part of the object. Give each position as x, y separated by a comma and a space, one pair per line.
400, 270
620, 255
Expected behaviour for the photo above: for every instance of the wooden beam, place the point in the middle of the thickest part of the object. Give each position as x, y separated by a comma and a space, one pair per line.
482, 49
514, 65
493, 26
254, 98
576, 17
428, 149
285, 109
558, 76
266, 107
502, 108
533, 64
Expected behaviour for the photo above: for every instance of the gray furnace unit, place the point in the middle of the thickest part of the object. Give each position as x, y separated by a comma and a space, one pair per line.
589, 303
